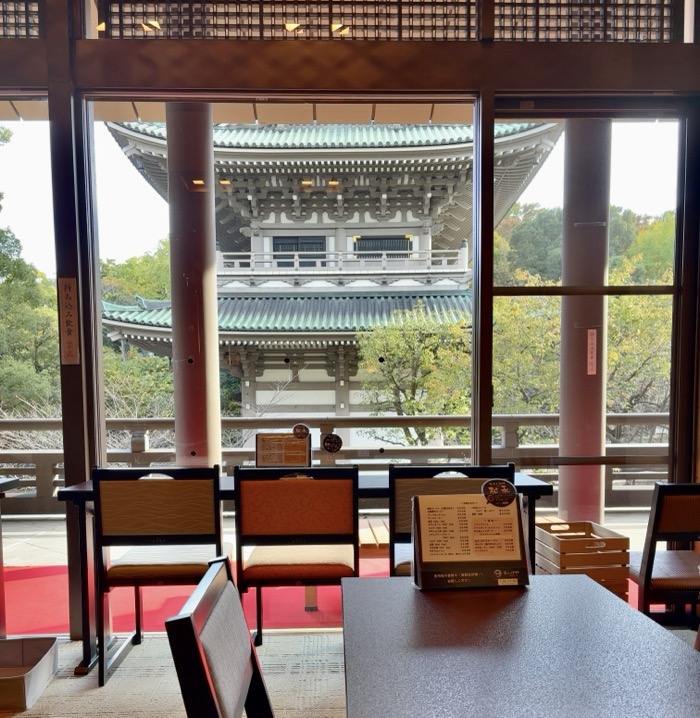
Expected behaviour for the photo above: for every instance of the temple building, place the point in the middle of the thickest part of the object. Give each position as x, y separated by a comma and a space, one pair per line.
324, 230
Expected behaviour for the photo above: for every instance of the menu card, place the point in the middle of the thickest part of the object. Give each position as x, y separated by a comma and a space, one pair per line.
282, 450
468, 540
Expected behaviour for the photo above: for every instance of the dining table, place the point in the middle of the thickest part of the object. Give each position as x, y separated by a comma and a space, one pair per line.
562, 647
371, 486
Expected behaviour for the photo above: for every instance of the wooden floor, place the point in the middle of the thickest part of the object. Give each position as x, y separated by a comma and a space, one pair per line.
374, 536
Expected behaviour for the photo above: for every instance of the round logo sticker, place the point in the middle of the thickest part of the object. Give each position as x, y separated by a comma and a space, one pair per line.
499, 492
332, 443
300, 431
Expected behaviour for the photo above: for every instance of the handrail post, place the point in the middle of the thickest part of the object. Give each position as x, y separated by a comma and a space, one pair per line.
325, 457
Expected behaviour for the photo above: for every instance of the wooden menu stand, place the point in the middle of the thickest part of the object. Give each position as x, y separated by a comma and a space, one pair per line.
470, 540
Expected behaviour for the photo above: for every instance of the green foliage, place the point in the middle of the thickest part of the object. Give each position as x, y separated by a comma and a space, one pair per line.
230, 394
530, 238
28, 333
526, 354
639, 359
22, 389
418, 364
13, 269
527, 367
653, 249
502, 272
29, 368
624, 225
137, 386
146, 276
536, 242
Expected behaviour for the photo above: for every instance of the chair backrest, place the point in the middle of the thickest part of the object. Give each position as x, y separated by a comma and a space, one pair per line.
406, 481
674, 516
147, 506
216, 663
305, 505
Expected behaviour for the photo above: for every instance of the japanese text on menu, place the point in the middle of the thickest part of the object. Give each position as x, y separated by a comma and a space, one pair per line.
467, 527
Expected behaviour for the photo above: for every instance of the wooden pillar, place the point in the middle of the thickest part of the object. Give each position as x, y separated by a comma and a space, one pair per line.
80, 336
584, 318
191, 193
482, 313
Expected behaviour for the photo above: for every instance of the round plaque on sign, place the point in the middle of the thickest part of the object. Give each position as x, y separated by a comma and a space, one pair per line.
300, 431
499, 492
332, 443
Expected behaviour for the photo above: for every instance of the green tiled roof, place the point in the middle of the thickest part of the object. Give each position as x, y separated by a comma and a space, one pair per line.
323, 136
299, 312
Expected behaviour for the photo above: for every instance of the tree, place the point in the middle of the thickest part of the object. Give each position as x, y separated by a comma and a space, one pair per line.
527, 344
623, 227
420, 363
526, 354
21, 388
536, 242
530, 237
29, 368
639, 358
28, 333
137, 386
146, 276
653, 249
502, 271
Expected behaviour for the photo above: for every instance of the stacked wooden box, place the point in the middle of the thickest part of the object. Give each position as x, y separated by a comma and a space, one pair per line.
583, 547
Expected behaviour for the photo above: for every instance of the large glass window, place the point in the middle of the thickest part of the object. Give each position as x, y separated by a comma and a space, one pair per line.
30, 382
334, 222
583, 285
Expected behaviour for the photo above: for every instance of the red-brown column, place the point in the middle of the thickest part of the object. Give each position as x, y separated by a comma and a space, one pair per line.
584, 318
193, 284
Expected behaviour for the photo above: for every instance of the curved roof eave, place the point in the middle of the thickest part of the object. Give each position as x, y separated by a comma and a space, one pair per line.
316, 315
437, 151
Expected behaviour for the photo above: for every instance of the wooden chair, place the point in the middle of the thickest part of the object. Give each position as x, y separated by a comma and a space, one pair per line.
214, 656
302, 526
170, 520
670, 577
407, 480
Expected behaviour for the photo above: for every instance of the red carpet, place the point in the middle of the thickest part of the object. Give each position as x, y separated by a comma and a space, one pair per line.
36, 600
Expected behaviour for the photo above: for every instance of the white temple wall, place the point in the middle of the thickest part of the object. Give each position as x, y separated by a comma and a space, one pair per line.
277, 400
305, 375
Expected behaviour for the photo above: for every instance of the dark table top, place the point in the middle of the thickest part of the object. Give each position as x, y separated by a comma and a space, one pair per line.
375, 485
564, 647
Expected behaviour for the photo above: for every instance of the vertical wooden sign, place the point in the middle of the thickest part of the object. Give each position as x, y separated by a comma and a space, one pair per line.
68, 320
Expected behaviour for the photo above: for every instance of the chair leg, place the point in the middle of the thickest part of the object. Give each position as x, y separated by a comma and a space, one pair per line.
111, 651
101, 638
258, 637
138, 614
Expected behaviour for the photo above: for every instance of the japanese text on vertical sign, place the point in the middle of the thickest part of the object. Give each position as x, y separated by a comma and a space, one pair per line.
68, 320
592, 349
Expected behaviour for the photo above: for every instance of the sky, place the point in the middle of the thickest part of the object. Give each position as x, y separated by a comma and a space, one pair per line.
132, 218
643, 169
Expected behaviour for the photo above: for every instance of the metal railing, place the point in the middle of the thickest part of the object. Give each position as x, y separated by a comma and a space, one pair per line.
426, 265
630, 469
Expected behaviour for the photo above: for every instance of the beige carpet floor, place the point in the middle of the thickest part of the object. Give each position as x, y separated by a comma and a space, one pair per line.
304, 674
